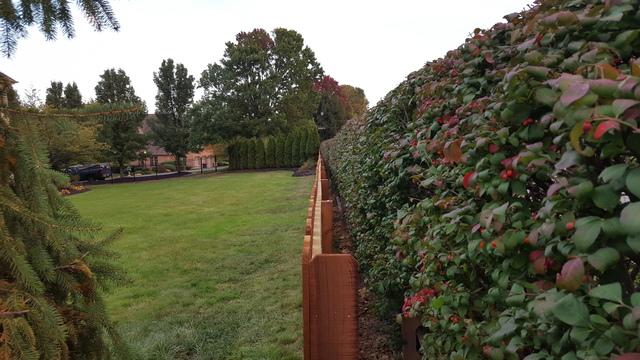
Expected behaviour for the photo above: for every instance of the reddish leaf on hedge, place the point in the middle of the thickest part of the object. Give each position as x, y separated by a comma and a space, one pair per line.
468, 179
576, 91
452, 151
571, 275
628, 356
604, 127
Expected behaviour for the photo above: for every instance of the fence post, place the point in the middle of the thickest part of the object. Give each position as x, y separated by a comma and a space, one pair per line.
327, 226
334, 307
409, 337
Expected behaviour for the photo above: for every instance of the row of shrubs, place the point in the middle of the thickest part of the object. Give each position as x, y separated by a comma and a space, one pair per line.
495, 194
281, 151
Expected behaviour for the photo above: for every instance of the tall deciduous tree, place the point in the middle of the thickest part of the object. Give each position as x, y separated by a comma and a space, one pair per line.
331, 112
115, 87
49, 16
120, 133
55, 95
72, 96
355, 101
263, 85
175, 95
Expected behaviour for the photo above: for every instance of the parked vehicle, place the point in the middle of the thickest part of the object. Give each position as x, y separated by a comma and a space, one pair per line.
89, 172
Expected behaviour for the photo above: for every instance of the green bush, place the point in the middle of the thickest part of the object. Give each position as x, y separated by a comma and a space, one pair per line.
244, 153
302, 149
288, 150
295, 148
251, 153
280, 151
313, 142
232, 151
260, 153
270, 153
495, 194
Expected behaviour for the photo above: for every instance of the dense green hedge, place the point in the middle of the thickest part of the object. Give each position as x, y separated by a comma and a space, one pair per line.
283, 151
495, 194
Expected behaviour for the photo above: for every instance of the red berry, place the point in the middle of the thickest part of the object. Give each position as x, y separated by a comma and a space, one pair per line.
494, 245
509, 173
586, 127
570, 225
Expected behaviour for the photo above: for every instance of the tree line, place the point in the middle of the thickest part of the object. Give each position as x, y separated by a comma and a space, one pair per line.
266, 84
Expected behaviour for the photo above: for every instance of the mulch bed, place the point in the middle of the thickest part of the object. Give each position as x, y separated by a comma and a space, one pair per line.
373, 333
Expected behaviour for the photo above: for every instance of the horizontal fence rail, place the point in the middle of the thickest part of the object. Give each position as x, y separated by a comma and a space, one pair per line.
329, 282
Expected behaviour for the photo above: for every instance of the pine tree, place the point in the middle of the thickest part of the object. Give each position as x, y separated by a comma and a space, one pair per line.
251, 153
49, 16
72, 96
55, 95
313, 143
260, 153
295, 148
115, 87
280, 150
53, 263
304, 137
244, 153
270, 153
172, 130
288, 145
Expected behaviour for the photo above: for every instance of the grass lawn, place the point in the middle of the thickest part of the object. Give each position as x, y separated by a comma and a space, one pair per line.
214, 263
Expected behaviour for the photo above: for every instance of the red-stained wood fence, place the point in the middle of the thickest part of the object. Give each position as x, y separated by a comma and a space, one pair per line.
329, 282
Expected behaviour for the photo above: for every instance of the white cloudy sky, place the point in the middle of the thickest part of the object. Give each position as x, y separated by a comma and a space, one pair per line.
371, 44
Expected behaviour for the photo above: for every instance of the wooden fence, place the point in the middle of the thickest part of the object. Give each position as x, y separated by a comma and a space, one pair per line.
329, 282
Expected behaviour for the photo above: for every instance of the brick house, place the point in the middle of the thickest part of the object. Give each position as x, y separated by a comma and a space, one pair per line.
152, 154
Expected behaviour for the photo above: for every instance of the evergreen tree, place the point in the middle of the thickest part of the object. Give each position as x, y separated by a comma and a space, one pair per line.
251, 153
72, 96
270, 153
172, 130
53, 264
115, 87
288, 147
49, 16
295, 148
244, 153
232, 153
121, 134
313, 142
55, 95
260, 153
280, 146
304, 137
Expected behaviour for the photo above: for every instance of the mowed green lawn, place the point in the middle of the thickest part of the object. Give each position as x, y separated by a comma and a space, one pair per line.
214, 263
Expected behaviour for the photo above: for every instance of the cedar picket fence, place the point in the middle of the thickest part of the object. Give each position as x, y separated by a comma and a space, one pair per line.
329, 282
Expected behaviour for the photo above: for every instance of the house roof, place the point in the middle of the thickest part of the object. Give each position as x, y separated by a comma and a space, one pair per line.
6, 79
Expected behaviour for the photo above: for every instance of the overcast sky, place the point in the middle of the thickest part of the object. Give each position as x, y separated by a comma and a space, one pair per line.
370, 44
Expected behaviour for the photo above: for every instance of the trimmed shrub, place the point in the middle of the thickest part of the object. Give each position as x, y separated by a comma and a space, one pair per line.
313, 142
251, 153
260, 153
304, 138
244, 154
495, 194
270, 153
280, 150
288, 146
295, 148
232, 152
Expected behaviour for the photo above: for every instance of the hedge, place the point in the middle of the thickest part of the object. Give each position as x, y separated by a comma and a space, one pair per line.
270, 153
280, 151
495, 194
260, 153
287, 160
251, 153
273, 152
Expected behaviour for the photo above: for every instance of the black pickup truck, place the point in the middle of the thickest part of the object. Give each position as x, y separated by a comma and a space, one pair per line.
89, 172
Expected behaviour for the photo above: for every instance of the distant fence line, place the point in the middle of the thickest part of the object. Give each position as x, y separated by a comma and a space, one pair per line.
329, 282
